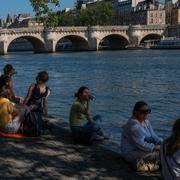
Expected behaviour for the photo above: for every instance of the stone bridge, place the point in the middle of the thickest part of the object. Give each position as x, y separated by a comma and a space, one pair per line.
81, 38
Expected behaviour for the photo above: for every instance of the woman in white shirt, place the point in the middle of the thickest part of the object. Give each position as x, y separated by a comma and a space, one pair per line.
170, 154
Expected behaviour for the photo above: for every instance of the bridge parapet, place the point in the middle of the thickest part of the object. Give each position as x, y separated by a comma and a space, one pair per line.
21, 30
149, 27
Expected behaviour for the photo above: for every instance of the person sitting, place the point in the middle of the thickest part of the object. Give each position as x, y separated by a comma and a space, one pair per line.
36, 101
170, 154
84, 127
38, 94
140, 145
9, 71
10, 120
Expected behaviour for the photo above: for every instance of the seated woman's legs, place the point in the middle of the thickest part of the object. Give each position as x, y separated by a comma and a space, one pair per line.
80, 136
93, 128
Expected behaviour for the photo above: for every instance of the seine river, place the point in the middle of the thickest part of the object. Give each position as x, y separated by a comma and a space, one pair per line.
117, 79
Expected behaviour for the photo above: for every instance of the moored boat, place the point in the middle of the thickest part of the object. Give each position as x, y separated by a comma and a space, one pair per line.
167, 43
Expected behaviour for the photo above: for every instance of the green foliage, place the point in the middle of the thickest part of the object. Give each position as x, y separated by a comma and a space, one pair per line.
66, 19
44, 11
52, 20
100, 13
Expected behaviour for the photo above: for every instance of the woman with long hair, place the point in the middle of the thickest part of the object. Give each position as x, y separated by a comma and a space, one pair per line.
170, 154
85, 128
36, 101
140, 145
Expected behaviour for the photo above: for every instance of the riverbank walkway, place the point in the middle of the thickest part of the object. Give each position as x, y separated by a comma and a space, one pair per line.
56, 156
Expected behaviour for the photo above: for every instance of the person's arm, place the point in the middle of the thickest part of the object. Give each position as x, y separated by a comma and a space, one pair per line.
138, 137
12, 110
87, 113
156, 138
29, 94
12, 94
45, 103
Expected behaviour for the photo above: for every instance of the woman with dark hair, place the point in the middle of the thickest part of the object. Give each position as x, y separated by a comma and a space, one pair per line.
38, 93
140, 145
170, 154
9, 72
36, 100
85, 128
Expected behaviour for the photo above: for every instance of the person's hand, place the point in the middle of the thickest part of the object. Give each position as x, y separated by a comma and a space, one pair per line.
157, 148
21, 100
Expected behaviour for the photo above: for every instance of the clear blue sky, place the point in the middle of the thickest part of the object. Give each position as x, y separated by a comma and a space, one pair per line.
23, 6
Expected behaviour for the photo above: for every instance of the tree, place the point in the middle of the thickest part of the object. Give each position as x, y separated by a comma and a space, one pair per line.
66, 19
100, 13
44, 10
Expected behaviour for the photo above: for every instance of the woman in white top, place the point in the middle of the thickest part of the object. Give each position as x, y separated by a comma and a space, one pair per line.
170, 154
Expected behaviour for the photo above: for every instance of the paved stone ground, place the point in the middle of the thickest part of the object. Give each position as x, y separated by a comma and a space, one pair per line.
56, 156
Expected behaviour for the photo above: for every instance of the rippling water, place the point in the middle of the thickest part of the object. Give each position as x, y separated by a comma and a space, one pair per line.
117, 78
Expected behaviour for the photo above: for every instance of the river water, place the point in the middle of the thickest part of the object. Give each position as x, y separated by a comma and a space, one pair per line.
117, 79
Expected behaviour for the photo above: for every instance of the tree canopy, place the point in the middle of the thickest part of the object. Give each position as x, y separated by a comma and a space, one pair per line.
100, 13
44, 11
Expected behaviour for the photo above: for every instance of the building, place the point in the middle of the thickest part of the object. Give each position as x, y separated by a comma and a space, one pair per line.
138, 12
24, 20
149, 13
123, 11
84, 3
172, 12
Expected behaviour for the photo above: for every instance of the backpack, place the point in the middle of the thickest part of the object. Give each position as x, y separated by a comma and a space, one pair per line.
33, 124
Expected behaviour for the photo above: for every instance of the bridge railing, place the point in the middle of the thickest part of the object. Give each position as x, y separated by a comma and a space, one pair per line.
68, 28
149, 27
21, 30
80, 29
108, 28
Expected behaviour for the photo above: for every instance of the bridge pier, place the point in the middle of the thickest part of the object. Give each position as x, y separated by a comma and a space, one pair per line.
50, 46
3, 47
93, 44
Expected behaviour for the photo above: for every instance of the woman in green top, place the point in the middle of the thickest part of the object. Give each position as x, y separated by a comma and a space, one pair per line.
85, 128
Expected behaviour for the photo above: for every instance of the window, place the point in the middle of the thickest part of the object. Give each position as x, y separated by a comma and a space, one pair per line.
151, 21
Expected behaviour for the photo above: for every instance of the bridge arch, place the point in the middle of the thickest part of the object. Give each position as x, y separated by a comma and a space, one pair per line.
72, 42
113, 42
156, 37
36, 44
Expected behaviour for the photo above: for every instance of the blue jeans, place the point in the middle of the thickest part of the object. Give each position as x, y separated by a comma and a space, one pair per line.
85, 132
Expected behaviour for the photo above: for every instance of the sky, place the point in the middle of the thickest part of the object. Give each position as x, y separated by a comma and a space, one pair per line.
23, 6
